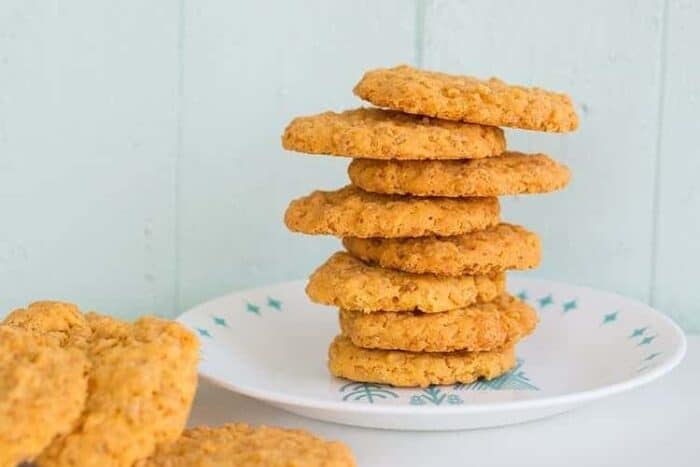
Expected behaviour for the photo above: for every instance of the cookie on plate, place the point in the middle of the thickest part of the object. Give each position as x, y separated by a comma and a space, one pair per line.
513, 173
42, 392
241, 445
495, 249
387, 134
467, 99
477, 328
415, 369
347, 282
351, 211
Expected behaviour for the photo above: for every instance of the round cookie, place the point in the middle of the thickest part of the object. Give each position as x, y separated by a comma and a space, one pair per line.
478, 328
387, 134
141, 383
244, 446
42, 392
467, 99
415, 369
347, 282
496, 249
350, 211
513, 173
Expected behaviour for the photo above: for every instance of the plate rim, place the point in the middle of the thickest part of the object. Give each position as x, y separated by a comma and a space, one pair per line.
573, 398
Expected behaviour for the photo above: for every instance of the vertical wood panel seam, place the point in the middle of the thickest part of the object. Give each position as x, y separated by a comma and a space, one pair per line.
657, 158
419, 32
179, 149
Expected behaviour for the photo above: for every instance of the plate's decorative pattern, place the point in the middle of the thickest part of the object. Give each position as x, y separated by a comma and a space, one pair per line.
642, 336
275, 304
372, 393
366, 392
610, 318
219, 321
436, 396
515, 380
271, 304
569, 306
249, 307
545, 301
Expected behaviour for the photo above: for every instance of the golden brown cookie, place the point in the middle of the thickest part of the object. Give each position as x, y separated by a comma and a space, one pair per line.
60, 320
240, 445
513, 173
467, 99
496, 249
400, 368
477, 328
42, 392
141, 383
350, 211
347, 282
387, 134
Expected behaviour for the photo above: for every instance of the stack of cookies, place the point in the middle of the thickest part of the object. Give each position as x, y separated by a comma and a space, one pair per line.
421, 286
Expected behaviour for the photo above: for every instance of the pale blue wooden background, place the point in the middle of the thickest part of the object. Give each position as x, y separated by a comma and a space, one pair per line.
141, 170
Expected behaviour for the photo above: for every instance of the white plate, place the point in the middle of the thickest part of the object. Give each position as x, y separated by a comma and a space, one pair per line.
270, 343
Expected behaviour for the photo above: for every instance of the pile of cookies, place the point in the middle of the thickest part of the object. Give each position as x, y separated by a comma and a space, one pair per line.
421, 286
90, 390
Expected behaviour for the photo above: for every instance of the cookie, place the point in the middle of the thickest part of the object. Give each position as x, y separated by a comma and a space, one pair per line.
411, 369
347, 282
42, 392
496, 249
60, 320
350, 211
478, 328
387, 134
467, 99
141, 383
513, 173
240, 445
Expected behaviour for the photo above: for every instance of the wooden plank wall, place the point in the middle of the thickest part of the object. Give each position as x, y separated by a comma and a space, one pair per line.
88, 111
141, 170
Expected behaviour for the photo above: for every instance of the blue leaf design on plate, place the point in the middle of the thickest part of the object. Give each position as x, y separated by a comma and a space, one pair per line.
368, 392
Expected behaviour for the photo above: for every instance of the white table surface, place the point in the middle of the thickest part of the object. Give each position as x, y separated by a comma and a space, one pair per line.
658, 424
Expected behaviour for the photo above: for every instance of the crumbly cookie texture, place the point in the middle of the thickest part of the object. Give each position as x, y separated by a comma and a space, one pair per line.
467, 99
351, 211
141, 383
415, 369
496, 249
241, 445
42, 392
513, 173
347, 282
387, 134
478, 328
60, 320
